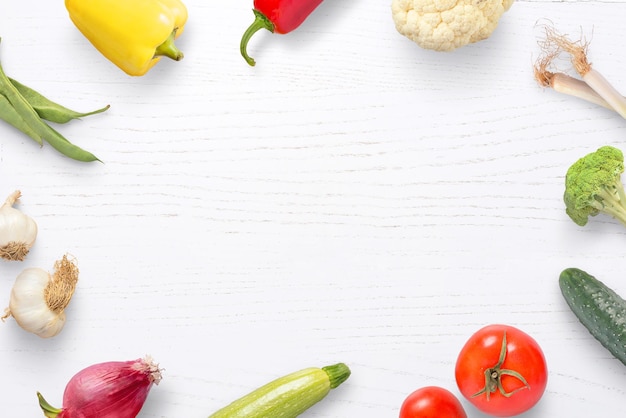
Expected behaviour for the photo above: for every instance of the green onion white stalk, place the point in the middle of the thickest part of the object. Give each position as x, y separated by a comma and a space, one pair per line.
566, 84
556, 43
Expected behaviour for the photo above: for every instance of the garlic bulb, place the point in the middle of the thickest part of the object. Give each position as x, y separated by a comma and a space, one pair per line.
38, 299
17, 230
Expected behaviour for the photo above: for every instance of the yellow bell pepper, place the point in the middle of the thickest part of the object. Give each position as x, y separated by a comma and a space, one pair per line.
132, 34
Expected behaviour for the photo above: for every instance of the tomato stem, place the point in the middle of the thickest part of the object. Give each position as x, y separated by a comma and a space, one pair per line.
493, 376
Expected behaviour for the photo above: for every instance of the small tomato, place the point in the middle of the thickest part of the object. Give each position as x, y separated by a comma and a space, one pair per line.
432, 402
501, 370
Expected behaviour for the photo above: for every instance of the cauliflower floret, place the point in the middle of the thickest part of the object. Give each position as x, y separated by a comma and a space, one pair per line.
445, 25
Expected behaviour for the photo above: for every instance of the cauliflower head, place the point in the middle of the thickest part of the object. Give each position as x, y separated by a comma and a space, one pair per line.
445, 25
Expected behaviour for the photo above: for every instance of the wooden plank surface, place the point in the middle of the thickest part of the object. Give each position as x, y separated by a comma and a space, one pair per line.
350, 198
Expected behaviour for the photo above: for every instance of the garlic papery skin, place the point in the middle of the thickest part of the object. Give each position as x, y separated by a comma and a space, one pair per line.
38, 299
17, 230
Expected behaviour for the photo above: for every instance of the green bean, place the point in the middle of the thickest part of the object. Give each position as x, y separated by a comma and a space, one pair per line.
54, 138
23, 116
47, 109
21, 106
10, 115
65, 147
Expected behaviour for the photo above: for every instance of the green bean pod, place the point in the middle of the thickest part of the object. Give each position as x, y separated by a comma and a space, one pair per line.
21, 106
12, 117
47, 109
65, 147
20, 114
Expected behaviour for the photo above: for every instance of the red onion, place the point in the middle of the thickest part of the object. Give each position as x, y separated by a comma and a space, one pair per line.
115, 389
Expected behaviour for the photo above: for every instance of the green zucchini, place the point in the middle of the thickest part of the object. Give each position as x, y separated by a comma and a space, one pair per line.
287, 396
599, 309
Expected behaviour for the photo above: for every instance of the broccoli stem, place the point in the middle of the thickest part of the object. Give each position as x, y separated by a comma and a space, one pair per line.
619, 187
612, 202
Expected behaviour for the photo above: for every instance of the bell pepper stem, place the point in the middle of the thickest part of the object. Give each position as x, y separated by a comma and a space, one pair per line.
169, 49
48, 410
260, 22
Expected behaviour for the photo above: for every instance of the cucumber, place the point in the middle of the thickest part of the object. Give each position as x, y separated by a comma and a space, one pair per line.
287, 396
599, 309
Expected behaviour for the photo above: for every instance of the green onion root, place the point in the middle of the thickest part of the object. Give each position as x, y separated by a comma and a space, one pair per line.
555, 43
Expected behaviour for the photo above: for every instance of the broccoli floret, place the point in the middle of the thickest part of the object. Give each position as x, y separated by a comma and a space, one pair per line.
593, 185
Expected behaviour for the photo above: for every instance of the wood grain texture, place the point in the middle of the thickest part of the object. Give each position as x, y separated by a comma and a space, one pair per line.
351, 198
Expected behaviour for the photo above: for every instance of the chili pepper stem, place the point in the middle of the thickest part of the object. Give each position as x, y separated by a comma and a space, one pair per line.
260, 22
48, 410
169, 49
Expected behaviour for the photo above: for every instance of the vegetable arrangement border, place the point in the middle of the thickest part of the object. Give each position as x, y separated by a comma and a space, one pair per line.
500, 370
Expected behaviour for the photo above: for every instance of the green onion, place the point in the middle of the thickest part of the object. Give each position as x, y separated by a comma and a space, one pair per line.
555, 44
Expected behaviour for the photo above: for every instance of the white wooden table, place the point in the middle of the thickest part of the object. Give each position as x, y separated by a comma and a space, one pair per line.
352, 198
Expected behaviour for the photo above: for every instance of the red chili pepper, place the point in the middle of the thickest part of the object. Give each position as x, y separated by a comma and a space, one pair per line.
280, 16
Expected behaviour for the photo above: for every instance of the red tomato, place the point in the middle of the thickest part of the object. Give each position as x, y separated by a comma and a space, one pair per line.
501, 370
432, 402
